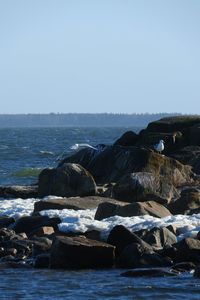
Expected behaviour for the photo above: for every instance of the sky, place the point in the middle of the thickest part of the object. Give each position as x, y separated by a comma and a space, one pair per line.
96, 56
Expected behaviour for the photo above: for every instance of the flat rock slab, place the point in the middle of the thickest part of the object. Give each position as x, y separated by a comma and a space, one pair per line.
75, 203
19, 191
80, 253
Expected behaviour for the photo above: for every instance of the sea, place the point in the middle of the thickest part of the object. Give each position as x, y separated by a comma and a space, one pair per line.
24, 152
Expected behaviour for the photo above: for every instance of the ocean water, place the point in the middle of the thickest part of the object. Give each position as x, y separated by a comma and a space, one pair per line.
23, 153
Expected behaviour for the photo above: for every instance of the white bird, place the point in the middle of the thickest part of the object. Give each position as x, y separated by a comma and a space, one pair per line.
82, 145
160, 146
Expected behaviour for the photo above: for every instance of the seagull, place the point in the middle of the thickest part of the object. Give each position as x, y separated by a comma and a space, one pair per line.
82, 145
159, 147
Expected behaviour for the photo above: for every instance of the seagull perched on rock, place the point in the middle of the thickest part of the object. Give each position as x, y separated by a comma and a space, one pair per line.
159, 147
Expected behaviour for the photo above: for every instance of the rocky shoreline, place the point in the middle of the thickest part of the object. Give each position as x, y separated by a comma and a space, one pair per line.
128, 178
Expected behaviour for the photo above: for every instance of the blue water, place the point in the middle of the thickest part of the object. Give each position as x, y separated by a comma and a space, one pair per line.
89, 284
23, 153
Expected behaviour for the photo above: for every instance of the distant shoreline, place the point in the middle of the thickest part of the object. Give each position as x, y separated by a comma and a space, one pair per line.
79, 119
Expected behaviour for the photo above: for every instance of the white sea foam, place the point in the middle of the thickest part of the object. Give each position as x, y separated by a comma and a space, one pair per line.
83, 220
17, 207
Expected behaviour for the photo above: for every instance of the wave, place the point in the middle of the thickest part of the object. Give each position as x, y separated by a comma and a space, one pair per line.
46, 153
27, 172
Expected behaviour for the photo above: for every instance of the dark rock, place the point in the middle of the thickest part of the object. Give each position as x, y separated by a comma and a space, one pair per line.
113, 162
41, 245
189, 155
69, 180
42, 261
75, 203
172, 228
29, 223
153, 272
188, 249
80, 253
197, 272
171, 252
184, 266
160, 237
188, 202
137, 255
151, 208
17, 191
129, 138
8, 252
23, 247
143, 186
5, 221
194, 135
121, 237
93, 235
6, 234
173, 124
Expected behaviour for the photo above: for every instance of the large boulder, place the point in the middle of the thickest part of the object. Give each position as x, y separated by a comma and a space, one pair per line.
114, 162
151, 208
121, 237
68, 180
80, 253
143, 186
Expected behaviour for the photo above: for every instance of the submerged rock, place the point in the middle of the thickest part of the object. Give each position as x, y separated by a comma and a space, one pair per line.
152, 272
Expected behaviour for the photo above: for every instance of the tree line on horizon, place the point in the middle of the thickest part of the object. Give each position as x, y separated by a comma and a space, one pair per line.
80, 119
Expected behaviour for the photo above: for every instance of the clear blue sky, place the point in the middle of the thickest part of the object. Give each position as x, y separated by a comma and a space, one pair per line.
121, 56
